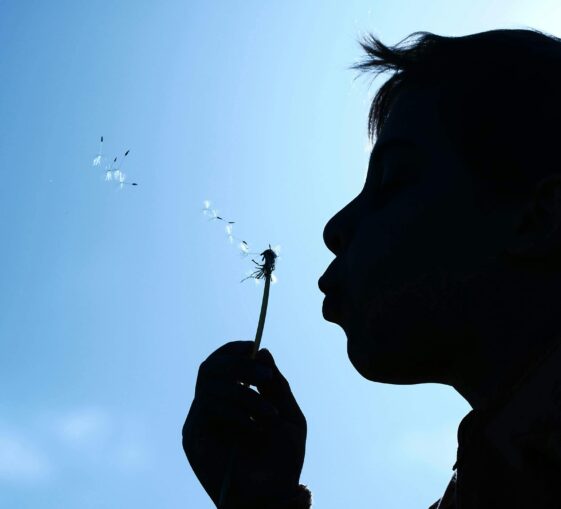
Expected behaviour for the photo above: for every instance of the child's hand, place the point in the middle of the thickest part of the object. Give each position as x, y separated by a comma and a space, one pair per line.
270, 449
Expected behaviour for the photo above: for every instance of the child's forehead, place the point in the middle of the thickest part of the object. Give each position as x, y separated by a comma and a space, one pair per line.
413, 115
414, 118
388, 144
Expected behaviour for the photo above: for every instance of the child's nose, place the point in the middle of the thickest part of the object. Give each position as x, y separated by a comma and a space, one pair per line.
332, 236
338, 230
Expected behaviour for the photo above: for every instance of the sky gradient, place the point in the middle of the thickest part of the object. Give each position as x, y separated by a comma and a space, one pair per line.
112, 298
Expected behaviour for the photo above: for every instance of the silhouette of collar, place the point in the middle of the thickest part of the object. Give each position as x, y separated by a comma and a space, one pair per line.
533, 395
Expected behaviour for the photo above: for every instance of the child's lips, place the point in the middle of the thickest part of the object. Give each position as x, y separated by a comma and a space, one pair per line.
328, 282
332, 308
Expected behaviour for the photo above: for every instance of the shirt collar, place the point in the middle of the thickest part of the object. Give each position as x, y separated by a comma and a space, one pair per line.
473, 423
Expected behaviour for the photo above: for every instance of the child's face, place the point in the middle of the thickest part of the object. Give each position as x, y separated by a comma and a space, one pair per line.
405, 256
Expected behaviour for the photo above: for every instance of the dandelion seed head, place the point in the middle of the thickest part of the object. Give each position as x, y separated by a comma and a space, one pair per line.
97, 161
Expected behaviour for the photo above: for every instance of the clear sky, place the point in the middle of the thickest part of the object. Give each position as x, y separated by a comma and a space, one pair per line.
112, 298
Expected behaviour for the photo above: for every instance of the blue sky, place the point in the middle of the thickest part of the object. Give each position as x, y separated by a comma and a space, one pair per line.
112, 298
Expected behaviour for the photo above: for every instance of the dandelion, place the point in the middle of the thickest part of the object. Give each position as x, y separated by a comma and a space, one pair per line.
264, 270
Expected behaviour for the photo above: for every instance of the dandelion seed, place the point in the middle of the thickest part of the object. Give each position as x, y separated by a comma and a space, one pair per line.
97, 159
241, 245
244, 247
122, 182
228, 230
113, 171
208, 211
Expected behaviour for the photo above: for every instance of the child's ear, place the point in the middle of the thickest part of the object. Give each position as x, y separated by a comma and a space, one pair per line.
538, 233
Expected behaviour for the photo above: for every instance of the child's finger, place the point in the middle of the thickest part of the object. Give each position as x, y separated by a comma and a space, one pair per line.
278, 391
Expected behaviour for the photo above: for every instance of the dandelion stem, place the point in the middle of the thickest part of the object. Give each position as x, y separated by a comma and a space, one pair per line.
262, 315
260, 325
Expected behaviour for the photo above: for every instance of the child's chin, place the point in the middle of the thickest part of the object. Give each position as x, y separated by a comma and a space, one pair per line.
383, 363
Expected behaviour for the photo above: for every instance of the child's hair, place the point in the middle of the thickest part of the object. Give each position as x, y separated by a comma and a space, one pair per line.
500, 98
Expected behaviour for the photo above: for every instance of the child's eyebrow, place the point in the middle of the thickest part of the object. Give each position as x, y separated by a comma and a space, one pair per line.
381, 148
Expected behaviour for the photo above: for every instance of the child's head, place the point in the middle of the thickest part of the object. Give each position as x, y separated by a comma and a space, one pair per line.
428, 282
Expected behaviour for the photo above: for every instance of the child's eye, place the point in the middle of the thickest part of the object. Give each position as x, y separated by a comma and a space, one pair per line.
390, 186
379, 196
